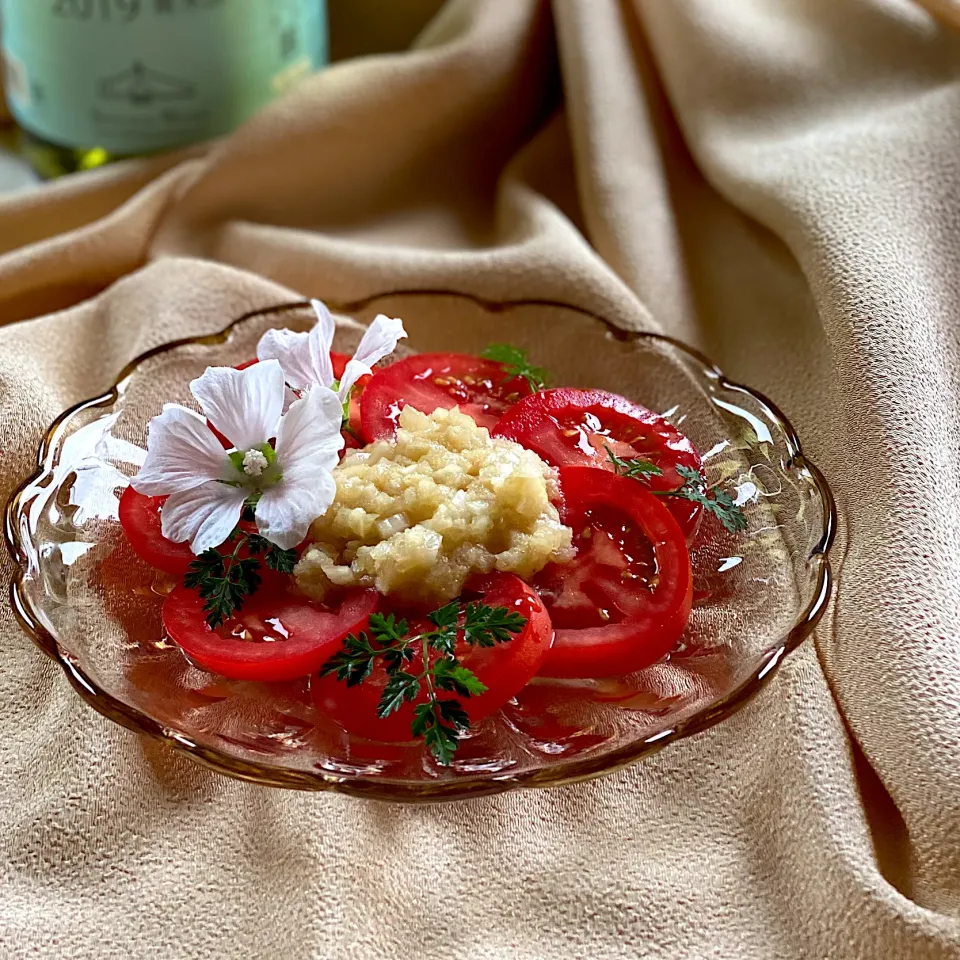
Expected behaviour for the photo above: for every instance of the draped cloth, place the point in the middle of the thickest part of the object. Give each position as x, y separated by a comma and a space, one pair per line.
774, 181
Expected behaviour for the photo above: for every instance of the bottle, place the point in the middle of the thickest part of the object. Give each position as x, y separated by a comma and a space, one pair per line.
89, 81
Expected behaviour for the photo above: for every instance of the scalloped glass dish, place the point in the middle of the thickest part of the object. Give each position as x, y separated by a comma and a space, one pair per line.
93, 606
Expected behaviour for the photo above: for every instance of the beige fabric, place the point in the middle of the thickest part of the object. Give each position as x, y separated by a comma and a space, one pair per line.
775, 180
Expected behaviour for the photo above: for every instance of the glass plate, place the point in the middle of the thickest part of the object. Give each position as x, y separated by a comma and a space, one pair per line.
90, 604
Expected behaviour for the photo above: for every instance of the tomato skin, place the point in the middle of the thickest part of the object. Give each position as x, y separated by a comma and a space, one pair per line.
505, 669
428, 381
654, 618
555, 424
314, 631
139, 517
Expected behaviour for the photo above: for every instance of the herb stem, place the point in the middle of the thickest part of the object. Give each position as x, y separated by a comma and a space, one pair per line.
426, 667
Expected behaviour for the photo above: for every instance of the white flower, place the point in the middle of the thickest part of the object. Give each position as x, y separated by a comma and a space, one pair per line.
305, 357
207, 486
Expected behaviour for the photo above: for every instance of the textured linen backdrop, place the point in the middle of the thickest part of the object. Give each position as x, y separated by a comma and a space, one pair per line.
776, 181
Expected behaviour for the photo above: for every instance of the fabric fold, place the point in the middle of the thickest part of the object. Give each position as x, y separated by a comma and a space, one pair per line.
776, 183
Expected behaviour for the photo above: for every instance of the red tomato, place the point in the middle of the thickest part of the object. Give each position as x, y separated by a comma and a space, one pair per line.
566, 426
505, 669
428, 381
277, 635
624, 600
140, 518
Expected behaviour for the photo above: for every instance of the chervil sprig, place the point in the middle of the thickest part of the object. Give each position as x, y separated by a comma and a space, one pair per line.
637, 467
439, 721
716, 501
516, 364
225, 580
694, 488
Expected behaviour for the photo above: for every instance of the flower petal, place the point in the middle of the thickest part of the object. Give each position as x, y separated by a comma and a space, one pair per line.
285, 512
379, 341
292, 350
182, 453
321, 340
205, 516
244, 405
308, 448
309, 436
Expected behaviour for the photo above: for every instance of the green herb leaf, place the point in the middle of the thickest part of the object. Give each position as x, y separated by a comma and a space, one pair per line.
354, 662
257, 544
208, 565
515, 364
283, 561
444, 638
440, 737
486, 626
400, 688
387, 630
694, 488
453, 713
637, 467
453, 676
438, 722
223, 582
717, 502
445, 616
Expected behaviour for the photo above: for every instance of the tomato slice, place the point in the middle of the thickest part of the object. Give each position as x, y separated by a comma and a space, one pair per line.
624, 600
428, 381
140, 518
277, 634
566, 426
505, 668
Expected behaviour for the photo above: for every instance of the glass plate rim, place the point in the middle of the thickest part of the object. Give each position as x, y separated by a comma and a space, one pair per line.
564, 772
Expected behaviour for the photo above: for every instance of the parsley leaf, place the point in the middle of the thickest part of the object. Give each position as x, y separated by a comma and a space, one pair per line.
485, 626
637, 467
440, 722
453, 713
283, 561
717, 502
387, 629
400, 688
445, 617
354, 663
694, 488
453, 676
515, 364
223, 582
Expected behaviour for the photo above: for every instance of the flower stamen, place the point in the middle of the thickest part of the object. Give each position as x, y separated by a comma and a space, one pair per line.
254, 463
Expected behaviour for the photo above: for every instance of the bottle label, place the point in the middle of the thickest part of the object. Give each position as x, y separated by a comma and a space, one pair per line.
134, 76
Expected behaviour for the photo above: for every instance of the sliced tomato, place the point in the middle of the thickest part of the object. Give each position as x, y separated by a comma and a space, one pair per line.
428, 381
566, 426
624, 600
277, 635
505, 668
140, 518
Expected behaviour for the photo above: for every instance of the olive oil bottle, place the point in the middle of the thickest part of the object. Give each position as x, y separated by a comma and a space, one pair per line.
89, 81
